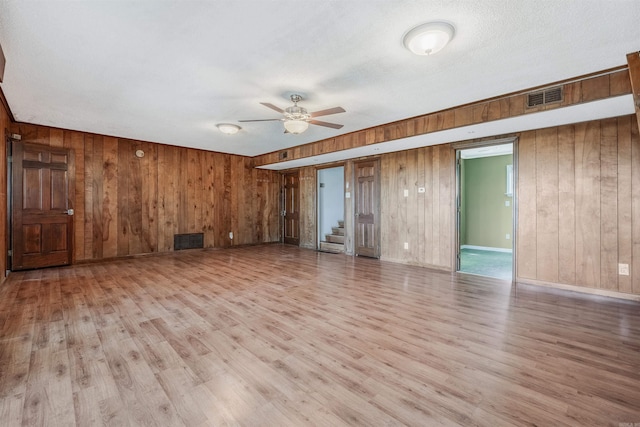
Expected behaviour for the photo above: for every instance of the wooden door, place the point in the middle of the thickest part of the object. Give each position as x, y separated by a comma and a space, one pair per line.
291, 208
367, 209
41, 222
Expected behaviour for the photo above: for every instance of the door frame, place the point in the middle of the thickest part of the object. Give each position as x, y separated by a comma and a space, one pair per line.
344, 206
458, 147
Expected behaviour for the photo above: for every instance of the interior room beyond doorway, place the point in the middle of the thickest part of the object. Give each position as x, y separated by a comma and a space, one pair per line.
486, 211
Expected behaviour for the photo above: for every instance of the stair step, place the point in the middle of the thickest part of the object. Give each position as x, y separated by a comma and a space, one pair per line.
339, 231
332, 238
336, 248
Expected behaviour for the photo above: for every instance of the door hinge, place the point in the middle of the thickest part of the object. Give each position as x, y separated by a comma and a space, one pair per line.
10, 252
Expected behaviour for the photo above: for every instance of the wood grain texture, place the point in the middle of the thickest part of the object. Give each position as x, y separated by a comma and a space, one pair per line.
527, 230
308, 208
239, 337
591, 88
583, 221
125, 205
426, 220
5, 124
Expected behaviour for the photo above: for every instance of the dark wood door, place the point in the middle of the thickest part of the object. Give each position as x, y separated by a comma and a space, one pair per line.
291, 208
41, 222
367, 208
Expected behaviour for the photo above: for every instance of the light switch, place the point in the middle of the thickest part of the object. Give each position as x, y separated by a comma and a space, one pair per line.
347, 195
406, 245
406, 193
507, 202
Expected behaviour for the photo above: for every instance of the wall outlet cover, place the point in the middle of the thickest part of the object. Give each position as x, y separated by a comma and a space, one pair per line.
623, 269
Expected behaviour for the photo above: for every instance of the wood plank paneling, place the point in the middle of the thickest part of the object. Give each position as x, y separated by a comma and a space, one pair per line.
424, 220
125, 205
593, 196
635, 207
609, 205
527, 207
110, 198
587, 204
566, 206
624, 191
614, 83
547, 213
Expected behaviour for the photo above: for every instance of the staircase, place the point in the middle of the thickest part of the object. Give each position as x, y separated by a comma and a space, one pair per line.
334, 242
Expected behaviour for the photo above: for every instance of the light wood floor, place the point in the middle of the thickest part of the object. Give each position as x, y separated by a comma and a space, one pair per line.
275, 335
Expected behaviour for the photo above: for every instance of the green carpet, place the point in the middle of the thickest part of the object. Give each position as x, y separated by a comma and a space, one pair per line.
486, 263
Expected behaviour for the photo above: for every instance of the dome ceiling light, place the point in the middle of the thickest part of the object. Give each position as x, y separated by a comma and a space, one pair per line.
429, 38
228, 128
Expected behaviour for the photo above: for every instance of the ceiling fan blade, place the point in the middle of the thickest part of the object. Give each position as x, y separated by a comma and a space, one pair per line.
261, 120
325, 124
273, 107
328, 111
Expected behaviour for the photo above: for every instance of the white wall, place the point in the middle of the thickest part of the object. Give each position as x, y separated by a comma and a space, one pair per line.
330, 199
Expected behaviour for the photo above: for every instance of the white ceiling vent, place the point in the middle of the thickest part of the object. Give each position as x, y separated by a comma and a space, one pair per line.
544, 97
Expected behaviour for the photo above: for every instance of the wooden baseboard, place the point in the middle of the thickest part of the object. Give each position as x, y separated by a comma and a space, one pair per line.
581, 289
417, 264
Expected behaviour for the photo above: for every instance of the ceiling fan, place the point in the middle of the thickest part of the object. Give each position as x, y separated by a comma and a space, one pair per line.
297, 119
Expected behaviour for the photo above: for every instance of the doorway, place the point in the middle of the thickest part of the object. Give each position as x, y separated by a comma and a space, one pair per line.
486, 211
330, 213
291, 208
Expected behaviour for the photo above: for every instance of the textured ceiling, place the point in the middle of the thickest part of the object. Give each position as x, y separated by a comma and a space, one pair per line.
168, 71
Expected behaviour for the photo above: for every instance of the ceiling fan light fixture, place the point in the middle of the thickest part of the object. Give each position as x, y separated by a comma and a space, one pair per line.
429, 38
296, 126
228, 128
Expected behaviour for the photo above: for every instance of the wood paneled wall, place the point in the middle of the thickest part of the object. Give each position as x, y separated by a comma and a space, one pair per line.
125, 205
426, 220
579, 205
600, 86
578, 201
5, 123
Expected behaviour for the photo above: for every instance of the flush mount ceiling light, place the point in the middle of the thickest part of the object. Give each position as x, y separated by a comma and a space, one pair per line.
429, 38
228, 128
296, 126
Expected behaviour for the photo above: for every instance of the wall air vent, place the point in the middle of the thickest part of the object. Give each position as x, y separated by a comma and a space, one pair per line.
188, 241
544, 97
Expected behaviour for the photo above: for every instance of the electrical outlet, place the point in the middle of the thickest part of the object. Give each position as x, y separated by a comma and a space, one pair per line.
406, 245
507, 203
507, 236
623, 269
231, 235
421, 190
347, 195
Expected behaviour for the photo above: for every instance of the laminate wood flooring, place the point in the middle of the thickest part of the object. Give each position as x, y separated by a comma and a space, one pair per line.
276, 335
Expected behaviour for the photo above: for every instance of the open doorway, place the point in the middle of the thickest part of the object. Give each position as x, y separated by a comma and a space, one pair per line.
331, 209
485, 213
